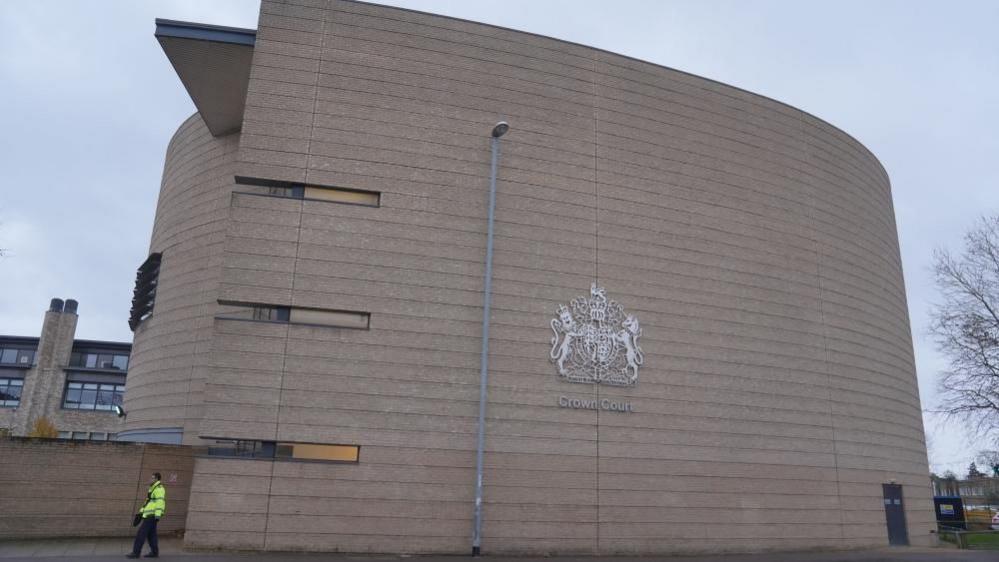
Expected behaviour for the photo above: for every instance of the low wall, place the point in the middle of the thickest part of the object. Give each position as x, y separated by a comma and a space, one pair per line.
58, 488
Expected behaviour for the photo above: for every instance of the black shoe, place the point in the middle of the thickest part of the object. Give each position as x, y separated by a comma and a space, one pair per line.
131, 555
151, 555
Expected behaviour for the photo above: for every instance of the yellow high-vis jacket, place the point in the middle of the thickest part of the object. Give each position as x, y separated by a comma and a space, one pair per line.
155, 505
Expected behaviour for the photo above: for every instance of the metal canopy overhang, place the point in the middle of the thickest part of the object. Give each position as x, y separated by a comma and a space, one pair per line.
213, 62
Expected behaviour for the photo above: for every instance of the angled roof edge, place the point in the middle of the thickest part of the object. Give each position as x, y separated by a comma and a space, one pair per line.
205, 32
213, 62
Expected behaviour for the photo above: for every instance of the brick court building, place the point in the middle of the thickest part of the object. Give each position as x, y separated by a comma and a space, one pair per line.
73, 383
699, 334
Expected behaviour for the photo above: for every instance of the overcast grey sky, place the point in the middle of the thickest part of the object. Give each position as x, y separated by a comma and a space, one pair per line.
89, 102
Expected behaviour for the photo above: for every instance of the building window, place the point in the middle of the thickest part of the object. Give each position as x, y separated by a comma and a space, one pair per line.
97, 360
144, 294
333, 194
93, 396
313, 452
297, 315
16, 356
10, 392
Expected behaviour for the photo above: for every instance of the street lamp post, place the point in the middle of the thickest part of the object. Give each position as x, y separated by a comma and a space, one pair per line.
498, 131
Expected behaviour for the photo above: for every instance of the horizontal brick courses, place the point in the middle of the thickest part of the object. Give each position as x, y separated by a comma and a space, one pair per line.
58, 489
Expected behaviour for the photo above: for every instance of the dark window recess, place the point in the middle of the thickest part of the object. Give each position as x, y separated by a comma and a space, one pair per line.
10, 392
243, 449
146, 279
93, 396
294, 191
274, 187
272, 313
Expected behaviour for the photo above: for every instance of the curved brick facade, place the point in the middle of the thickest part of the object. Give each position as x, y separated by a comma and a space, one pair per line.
165, 389
756, 244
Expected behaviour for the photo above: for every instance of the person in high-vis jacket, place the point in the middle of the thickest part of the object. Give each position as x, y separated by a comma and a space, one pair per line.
148, 516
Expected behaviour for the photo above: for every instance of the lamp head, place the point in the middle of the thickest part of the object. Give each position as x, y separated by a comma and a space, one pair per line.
118, 410
500, 129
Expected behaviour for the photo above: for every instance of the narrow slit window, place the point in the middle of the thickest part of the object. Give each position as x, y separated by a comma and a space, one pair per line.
309, 316
333, 194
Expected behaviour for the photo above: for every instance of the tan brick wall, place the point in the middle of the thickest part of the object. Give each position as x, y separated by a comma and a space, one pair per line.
56, 488
755, 243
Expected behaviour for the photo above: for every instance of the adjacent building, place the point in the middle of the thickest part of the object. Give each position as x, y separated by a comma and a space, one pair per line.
699, 334
980, 491
976, 491
74, 384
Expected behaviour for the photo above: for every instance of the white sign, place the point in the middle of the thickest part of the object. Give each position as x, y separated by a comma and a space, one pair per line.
595, 404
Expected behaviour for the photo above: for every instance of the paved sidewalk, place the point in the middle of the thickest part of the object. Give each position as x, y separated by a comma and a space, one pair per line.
107, 550
72, 548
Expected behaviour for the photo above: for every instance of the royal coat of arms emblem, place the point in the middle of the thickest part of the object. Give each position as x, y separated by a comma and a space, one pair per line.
596, 342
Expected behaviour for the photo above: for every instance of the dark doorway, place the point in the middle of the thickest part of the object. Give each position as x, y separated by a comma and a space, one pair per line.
895, 515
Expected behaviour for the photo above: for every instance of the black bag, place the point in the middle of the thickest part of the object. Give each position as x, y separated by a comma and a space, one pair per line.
137, 519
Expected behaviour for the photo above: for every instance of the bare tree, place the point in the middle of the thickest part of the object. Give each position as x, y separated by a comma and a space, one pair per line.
966, 327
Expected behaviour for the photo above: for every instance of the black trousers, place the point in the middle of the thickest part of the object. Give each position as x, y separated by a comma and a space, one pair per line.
147, 531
